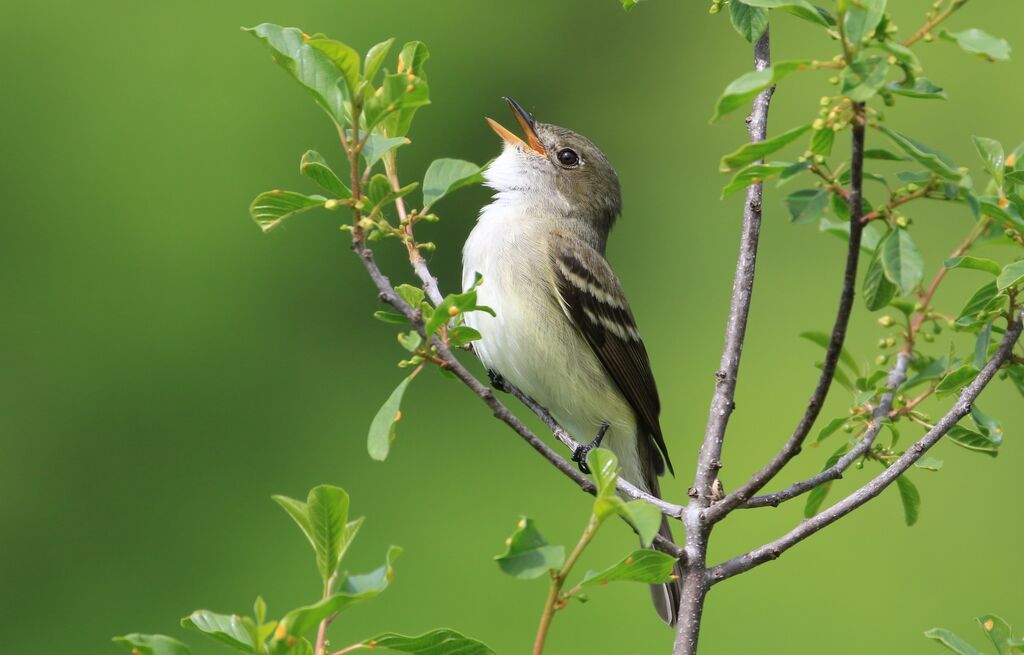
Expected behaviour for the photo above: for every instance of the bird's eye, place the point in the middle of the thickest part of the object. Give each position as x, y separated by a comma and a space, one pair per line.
568, 158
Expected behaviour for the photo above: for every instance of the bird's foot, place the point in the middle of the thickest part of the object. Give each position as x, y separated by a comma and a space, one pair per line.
580, 454
498, 382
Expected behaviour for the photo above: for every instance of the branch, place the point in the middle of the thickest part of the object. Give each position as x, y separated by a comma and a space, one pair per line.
961, 408
897, 375
709, 460
835, 346
925, 30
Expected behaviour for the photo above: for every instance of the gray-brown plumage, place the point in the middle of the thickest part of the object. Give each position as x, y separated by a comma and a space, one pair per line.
564, 333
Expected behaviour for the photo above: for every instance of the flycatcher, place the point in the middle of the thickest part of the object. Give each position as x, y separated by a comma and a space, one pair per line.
564, 333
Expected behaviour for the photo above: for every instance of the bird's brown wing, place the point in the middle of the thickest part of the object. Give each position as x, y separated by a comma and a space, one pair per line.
591, 296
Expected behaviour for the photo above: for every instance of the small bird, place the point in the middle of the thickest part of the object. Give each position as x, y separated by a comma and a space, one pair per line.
563, 333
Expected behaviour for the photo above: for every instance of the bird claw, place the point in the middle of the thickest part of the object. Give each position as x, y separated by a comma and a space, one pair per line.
498, 382
580, 454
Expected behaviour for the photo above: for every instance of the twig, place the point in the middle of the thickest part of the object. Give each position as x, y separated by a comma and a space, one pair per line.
835, 345
961, 408
419, 265
709, 460
933, 22
897, 375
558, 578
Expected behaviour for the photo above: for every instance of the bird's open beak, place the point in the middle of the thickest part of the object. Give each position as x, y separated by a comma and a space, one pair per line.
526, 122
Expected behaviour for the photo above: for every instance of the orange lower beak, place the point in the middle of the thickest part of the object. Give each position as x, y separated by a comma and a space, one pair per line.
526, 122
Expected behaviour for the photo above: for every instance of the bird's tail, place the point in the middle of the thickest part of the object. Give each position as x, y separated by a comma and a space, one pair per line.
666, 596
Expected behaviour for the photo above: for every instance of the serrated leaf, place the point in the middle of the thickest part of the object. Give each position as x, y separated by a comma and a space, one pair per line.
930, 159
446, 175
649, 566
309, 66
751, 175
862, 18
978, 42
878, 291
142, 644
975, 441
800, 8
751, 152
354, 589
975, 263
385, 422
951, 641
749, 21
435, 642
1011, 275
910, 498
806, 205
527, 555
901, 260
315, 167
232, 630
272, 208
743, 89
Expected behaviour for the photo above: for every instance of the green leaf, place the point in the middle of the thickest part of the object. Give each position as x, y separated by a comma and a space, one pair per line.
344, 57
751, 175
819, 493
604, 467
315, 167
412, 58
461, 335
956, 380
629, 4
951, 641
752, 152
864, 77
830, 429
309, 66
390, 317
272, 208
823, 340
749, 21
977, 304
152, 644
435, 642
323, 519
987, 425
932, 371
1011, 275
975, 263
446, 175
992, 154
822, 140
862, 18
971, 440
929, 463
998, 632
882, 154
377, 146
799, 8
977, 42
981, 345
743, 89
921, 87
385, 422
806, 205
235, 631
353, 590
649, 566
375, 57
462, 302
642, 516
410, 294
527, 555
901, 260
878, 290
930, 159
911, 499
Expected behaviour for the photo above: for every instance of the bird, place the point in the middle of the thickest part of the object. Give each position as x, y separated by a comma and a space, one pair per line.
562, 330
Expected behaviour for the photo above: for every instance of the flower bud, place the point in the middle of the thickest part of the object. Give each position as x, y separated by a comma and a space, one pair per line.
885, 321
881, 360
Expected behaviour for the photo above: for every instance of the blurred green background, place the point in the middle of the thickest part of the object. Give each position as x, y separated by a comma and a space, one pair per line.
167, 368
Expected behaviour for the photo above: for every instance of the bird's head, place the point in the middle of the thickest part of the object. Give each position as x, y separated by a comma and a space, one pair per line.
555, 167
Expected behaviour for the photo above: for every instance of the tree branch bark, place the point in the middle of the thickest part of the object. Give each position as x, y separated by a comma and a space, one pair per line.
793, 446
961, 408
695, 584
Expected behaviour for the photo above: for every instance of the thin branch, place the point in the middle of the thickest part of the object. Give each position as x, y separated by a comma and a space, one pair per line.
419, 264
555, 601
695, 583
933, 22
897, 375
961, 408
835, 345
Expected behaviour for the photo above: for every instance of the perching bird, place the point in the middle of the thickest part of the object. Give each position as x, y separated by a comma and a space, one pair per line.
563, 331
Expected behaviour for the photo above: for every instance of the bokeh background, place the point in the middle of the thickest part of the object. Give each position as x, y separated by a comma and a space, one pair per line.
166, 367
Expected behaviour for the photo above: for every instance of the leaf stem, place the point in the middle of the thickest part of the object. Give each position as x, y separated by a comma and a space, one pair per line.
933, 22
555, 601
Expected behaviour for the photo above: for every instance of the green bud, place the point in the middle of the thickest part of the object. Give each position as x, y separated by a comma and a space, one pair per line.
834, 79
885, 321
928, 336
902, 221
881, 360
